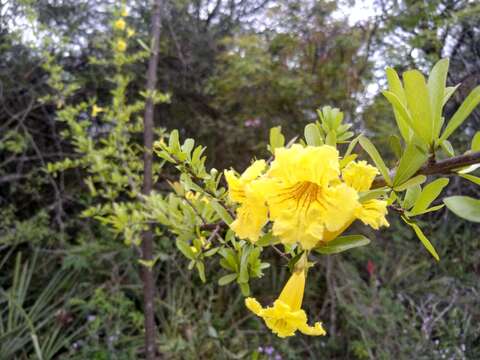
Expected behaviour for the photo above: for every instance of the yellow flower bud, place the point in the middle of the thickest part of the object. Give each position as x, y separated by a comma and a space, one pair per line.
121, 45
130, 32
120, 24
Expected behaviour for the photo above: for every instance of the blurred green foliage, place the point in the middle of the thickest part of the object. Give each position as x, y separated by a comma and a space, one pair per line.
228, 73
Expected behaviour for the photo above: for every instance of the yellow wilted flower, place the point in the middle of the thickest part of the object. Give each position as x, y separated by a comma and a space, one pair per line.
120, 24
121, 45
252, 213
286, 316
96, 110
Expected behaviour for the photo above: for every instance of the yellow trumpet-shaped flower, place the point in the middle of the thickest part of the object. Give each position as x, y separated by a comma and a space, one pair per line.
305, 195
252, 213
286, 316
120, 24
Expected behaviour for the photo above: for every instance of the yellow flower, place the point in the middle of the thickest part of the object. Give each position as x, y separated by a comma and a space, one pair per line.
130, 32
121, 45
120, 24
286, 316
372, 212
359, 175
305, 196
252, 213
96, 110
124, 12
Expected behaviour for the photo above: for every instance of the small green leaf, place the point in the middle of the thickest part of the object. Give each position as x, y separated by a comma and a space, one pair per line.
428, 195
343, 243
201, 270
428, 245
411, 196
436, 91
413, 158
331, 138
184, 248
448, 148
227, 279
312, 135
472, 100
465, 207
402, 115
416, 180
395, 145
449, 90
418, 102
396, 89
472, 178
277, 139
476, 142
372, 194
377, 159
221, 211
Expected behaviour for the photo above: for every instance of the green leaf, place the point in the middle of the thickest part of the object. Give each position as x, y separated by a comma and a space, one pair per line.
312, 135
343, 243
201, 270
416, 180
448, 148
331, 138
396, 88
462, 113
377, 159
267, 240
413, 158
449, 90
436, 91
428, 245
472, 178
221, 211
372, 194
227, 279
277, 139
173, 141
418, 102
243, 273
184, 248
395, 145
433, 208
411, 196
428, 195
402, 115
476, 142
465, 207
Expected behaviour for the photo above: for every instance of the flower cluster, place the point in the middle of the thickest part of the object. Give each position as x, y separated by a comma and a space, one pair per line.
306, 195
310, 199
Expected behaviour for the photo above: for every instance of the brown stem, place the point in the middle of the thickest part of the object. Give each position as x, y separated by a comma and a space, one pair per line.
439, 167
147, 236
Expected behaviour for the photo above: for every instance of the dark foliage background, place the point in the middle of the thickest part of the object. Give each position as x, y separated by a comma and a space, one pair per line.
234, 69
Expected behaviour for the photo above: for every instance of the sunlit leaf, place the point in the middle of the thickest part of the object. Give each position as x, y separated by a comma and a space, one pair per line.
429, 193
472, 100
377, 159
343, 243
436, 92
428, 245
413, 158
418, 102
312, 135
472, 178
465, 207
416, 180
